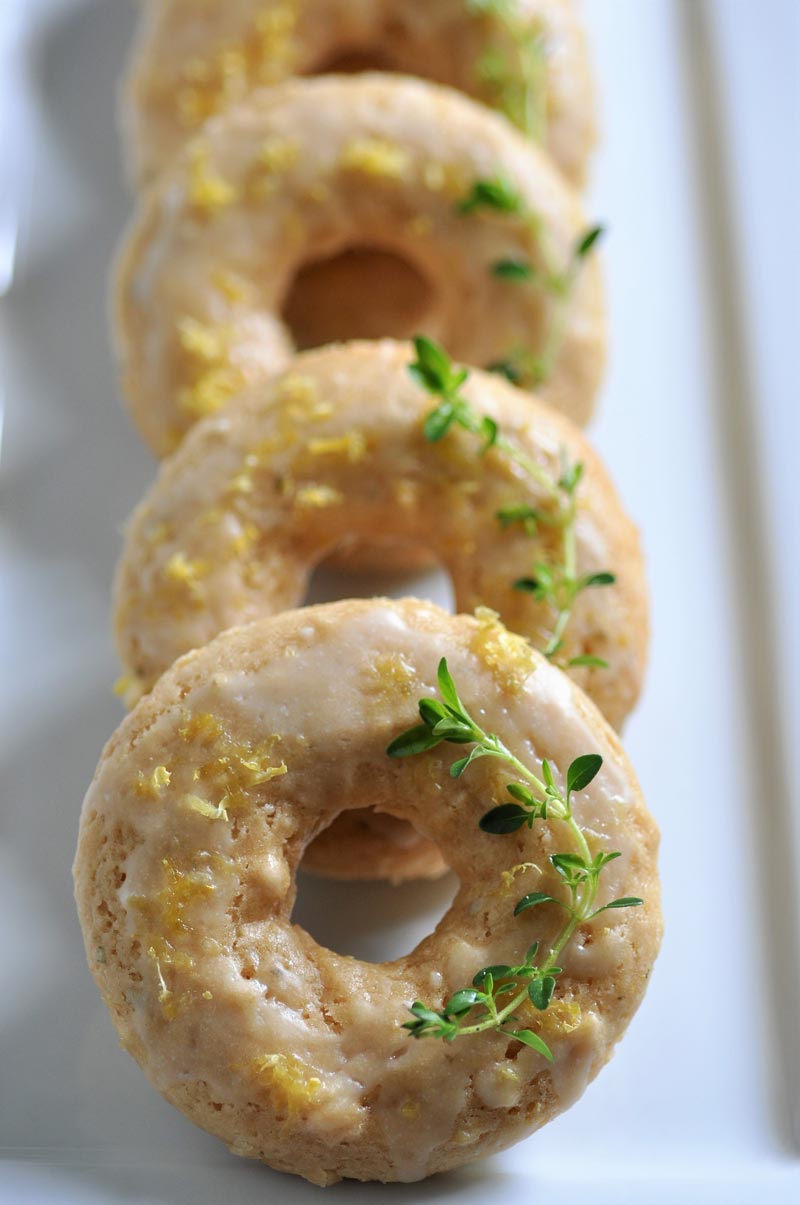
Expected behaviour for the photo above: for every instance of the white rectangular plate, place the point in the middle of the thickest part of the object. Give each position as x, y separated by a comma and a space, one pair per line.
698, 423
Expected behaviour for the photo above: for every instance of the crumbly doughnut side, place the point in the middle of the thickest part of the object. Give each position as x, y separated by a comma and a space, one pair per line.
290, 1052
194, 59
334, 451
308, 170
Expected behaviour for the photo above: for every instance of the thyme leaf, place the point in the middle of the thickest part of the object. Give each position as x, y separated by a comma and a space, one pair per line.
513, 67
497, 991
557, 583
497, 196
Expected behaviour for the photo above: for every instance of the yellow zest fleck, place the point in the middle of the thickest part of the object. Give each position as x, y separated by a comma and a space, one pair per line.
231, 771
242, 483
393, 673
211, 392
184, 572
508, 876
160, 947
218, 379
510, 1074
233, 288
171, 1005
291, 1082
275, 159
244, 541
317, 497
278, 155
203, 340
182, 890
164, 994
510, 657
212, 811
310, 414
260, 771
167, 921
410, 1110
207, 995
166, 911
130, 688
405, 492
376, 157
150, 785
297, 389
208, 192
201, 726
254, 577
352, 446
561, 1017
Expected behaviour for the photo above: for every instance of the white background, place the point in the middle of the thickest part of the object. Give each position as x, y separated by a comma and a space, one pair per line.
698, 180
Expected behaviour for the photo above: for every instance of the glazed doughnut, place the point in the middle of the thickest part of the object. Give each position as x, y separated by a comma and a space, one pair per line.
191, 834
331, 455
194, 58
328, 209
333, 452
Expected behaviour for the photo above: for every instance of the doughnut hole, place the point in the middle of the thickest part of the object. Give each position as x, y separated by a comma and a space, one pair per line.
365, 572
372, 921
353, 60
384, 570
362, 292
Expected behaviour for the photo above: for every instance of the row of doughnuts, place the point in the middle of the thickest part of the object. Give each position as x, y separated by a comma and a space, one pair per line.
252, 746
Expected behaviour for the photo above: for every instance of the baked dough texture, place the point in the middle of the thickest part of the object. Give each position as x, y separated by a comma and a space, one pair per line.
332, 454
323, 175
191, 833
194, 58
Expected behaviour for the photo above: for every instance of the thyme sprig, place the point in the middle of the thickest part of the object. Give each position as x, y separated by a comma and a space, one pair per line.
497, 195
556, 583
514, 69
490, 1003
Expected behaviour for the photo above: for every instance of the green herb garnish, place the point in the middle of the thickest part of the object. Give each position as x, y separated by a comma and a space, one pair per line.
555, 583
498, 991
514, 69
496, 195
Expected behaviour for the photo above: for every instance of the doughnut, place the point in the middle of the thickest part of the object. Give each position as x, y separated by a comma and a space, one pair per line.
334, 208
194, 58
333, 452
331, 455
191, 833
